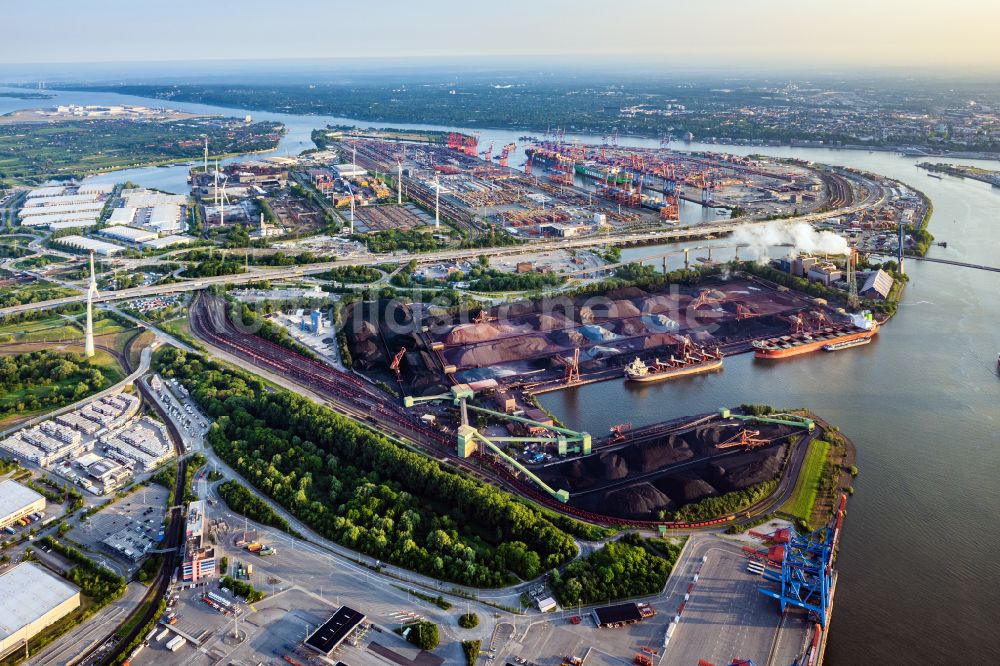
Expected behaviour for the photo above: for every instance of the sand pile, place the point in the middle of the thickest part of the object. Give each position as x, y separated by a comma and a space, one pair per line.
504, 351
569, 338
552, 322
693, 490
661, 303
465, 334
659, 340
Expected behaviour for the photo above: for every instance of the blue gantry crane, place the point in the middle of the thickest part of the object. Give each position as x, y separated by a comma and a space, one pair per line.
806, 575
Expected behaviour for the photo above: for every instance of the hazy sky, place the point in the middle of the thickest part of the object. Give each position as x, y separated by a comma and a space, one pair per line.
692, 33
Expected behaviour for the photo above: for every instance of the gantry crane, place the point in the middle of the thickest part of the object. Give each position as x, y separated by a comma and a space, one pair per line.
505, 153
469, 438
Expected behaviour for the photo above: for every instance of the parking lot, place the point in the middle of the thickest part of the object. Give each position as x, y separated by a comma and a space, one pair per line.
143, 511
269, 631
728, 618
182, 410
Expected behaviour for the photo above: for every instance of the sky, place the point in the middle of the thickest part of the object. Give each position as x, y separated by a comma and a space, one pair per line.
773, 34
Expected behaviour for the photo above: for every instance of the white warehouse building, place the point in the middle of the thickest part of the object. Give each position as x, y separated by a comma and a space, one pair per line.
31, 599
17, 501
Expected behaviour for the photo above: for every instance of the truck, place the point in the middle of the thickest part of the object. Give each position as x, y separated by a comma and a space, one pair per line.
267, 550
175, 643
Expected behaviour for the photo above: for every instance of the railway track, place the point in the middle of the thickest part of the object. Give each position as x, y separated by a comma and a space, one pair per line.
108, 650
347, 393
353, 397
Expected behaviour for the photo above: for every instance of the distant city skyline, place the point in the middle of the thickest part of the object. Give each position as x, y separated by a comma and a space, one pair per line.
713, 34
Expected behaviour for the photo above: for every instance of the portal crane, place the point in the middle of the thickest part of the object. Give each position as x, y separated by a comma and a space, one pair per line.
483, 317
744, 312
572, 368
394, 365
618, 432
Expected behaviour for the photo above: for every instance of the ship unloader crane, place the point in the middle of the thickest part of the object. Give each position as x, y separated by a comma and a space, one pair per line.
469, 438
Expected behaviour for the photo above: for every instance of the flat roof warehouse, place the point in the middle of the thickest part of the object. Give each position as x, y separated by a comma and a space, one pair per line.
31, 599
330, 635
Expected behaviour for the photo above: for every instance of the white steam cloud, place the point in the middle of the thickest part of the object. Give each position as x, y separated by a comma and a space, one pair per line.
801, 236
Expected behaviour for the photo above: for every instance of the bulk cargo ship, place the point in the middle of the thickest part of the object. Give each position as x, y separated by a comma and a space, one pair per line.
638, 371
861, 330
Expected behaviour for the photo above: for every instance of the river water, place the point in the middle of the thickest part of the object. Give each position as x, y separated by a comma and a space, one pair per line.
919, 562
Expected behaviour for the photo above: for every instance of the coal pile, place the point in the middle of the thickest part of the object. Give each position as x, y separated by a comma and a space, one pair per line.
376, 331
641, 479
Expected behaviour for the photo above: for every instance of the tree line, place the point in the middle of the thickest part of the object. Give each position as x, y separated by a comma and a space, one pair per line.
364, 491
34, 380
620, 570
244, 502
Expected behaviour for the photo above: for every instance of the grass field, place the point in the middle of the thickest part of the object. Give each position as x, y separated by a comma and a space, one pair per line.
803, 498
39, 261
177, 326
55, 328
31, 293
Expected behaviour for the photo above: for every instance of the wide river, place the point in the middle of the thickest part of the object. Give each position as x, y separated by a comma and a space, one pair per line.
919, 563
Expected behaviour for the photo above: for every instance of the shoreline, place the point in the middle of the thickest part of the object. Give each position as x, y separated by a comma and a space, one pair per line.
906, 151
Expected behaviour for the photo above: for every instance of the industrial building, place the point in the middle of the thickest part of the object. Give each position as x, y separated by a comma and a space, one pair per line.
334, 631
166, 241
88, 244
619, 615
349, 171
121, 216
17, 501
877, 286
142, 198
199, 554
128, 234
31, 599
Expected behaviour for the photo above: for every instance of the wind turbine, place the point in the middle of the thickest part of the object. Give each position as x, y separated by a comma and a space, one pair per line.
88, 348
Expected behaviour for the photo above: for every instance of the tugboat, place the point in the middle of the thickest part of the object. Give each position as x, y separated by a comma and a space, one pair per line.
692, 361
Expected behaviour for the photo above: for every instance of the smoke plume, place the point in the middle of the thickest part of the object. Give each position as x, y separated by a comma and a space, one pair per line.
800, 235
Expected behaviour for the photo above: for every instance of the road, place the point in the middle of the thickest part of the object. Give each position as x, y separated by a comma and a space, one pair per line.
258, 274
85, 636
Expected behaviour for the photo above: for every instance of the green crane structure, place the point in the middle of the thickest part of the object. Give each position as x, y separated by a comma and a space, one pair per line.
469, 438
